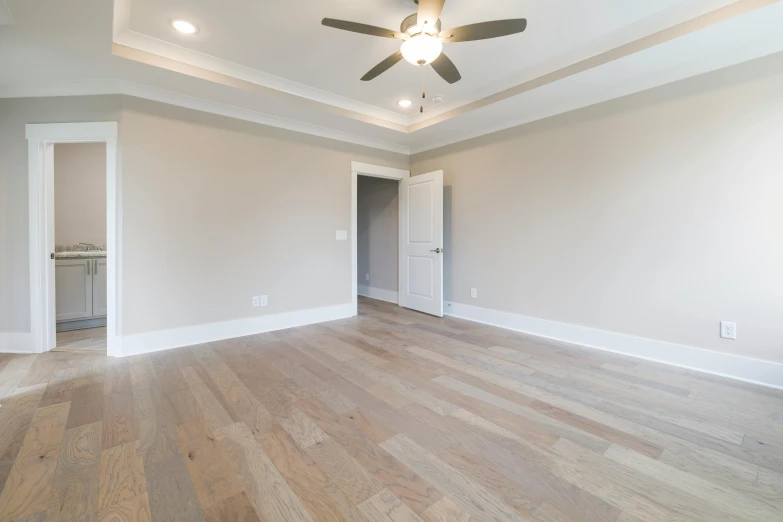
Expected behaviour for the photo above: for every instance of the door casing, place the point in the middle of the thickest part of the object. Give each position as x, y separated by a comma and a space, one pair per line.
41, 139
374, 171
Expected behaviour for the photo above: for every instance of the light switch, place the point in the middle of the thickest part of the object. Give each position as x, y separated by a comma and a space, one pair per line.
342, 235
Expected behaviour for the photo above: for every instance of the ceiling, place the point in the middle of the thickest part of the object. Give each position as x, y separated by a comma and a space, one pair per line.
274, 63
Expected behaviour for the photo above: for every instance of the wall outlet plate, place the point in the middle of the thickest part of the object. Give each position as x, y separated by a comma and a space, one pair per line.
367, 277
341, 235
728, 330
256, 301
264, 300
473, 293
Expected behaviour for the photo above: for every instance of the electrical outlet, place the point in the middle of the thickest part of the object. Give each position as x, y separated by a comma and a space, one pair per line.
256, 301
341, 235
728, 330
473, 293
366, 277
264, 300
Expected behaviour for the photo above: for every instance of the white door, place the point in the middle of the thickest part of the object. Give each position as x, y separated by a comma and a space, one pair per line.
421, 243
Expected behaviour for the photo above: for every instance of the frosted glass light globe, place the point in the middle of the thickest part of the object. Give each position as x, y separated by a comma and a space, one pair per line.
421, 49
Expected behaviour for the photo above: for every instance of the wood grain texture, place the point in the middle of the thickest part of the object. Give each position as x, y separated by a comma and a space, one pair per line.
269, 493
387, 416
468, 494
386, 507
122, 474
29, 483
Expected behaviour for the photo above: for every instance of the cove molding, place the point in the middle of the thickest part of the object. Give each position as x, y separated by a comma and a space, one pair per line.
377, 293
156, 341
755, 371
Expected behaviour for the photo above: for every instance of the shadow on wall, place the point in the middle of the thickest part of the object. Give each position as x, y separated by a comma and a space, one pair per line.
447, 244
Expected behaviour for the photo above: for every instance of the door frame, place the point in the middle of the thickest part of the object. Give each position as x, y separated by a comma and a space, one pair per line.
41, 139
373, 171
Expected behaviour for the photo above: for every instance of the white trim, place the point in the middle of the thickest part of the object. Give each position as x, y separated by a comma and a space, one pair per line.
203, 333
375, 171
137, 90
16, 342
378, 171
765, 373
378, 293
123, 34
88, 131
41, 139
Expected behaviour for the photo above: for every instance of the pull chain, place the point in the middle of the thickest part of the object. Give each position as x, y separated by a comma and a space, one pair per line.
423, 94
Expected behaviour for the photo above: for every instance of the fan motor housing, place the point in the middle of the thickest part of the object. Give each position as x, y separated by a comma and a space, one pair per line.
410, 23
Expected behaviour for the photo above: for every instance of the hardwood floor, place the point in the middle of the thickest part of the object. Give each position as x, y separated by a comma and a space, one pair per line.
389, 416
93, 339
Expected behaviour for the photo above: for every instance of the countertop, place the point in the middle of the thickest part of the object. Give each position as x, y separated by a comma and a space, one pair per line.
84, 254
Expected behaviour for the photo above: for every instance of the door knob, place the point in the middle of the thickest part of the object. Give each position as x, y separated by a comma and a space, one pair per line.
437, 250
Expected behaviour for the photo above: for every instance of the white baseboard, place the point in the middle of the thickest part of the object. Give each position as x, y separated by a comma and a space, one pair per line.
377, 293
765, 373
165, 339
16, 342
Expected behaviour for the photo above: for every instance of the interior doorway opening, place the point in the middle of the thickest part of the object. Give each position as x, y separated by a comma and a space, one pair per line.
42, 139
80, 246
419, 237
377, 237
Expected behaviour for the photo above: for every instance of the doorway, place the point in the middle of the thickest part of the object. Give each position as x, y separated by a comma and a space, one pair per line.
419, 237
377, 237
77, 283
80, 246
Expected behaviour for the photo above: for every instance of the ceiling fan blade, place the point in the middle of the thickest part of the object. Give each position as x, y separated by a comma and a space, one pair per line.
429, 12
362, 28
446, 69
484, 30
382, 67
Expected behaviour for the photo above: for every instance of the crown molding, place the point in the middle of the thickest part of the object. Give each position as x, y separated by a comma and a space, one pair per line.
691, 26
110, 86
644, 34
752, 50
171, 56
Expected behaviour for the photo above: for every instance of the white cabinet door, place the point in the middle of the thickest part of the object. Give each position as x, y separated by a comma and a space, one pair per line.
421, 243
73, 289
99, 308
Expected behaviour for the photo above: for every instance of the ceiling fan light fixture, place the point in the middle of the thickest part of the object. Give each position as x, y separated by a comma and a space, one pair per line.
184, 27
421, 49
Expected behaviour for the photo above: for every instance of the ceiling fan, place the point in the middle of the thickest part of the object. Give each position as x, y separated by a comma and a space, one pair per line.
422, 38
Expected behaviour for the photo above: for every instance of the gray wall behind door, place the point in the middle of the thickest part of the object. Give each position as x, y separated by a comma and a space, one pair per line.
376, 232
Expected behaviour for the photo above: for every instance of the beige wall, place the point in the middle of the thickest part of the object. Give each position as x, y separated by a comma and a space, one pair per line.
80, 193
215, 211
376, 232
656, 215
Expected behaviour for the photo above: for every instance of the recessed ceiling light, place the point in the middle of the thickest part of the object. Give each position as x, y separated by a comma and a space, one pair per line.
183, 26
404, 103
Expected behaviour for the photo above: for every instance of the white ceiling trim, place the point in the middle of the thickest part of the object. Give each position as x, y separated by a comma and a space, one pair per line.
124, 36
110, 86
765, 45
5, 14
660, 21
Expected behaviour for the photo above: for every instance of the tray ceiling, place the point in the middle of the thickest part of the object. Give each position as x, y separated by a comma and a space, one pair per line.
274, 63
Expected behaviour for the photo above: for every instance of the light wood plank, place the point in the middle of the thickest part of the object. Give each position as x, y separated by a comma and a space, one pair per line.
465, 492
270, 495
